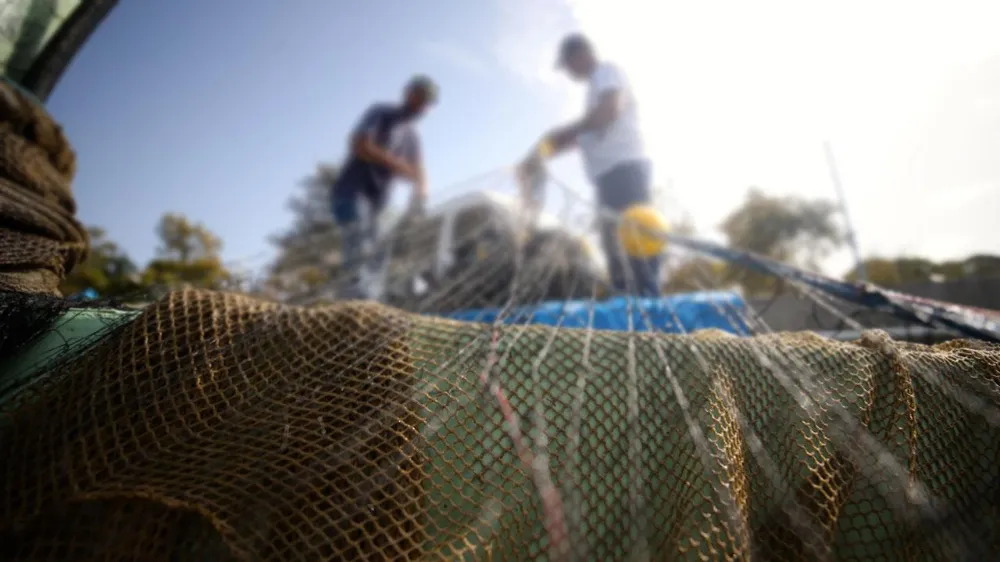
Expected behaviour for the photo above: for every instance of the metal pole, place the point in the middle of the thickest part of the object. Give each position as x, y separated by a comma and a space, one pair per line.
852, 239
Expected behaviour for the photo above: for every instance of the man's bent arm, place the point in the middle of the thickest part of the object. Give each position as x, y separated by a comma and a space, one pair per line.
363, 145
609, 84
415, 156
597, 119
420, 180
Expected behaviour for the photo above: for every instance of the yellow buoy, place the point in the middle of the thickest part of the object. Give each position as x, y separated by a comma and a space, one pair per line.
642, 231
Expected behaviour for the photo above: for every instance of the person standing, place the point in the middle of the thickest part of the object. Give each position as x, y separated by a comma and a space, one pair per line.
383, 146
614, 157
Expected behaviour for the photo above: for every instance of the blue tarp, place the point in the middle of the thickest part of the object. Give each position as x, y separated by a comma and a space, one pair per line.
671, 314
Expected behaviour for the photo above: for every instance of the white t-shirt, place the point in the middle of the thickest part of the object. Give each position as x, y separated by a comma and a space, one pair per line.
621, 141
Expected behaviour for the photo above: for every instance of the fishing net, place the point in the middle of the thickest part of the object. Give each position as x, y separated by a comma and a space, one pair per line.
216, 423
40, 237
215, 426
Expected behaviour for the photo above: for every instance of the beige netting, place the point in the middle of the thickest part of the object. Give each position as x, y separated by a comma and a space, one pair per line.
217, 427
40, 238
218, 424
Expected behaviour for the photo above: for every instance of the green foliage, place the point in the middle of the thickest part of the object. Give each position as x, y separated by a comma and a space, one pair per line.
309, 251
188, 255
184, 241
979, 266
906, 270
792, 230
788, 229
695, 274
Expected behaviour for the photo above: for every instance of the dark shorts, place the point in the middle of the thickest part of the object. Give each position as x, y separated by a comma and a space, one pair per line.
623, 186
345, 207
357, 218
347, 201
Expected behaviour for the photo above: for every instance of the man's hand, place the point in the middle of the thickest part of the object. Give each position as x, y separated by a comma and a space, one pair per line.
597, 120
529, 166
366, 149
418, 202
531, 174
535, 160
410, 173
420, 187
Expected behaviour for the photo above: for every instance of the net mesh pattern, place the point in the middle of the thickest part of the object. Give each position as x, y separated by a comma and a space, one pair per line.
215, 426
41, 239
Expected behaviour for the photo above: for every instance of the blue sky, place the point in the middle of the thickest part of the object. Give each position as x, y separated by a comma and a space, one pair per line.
216, 109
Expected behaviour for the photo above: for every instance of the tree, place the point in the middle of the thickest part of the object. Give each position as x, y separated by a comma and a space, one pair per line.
185, 242
695, 274
107, 270
309, 251
891, 272
788, 229
687, 272
188, 255
978, 266
684, 226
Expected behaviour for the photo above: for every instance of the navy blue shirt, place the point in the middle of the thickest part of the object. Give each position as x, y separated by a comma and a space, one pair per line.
390, 127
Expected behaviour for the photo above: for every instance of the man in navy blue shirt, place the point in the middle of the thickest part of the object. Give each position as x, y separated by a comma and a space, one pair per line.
384, 146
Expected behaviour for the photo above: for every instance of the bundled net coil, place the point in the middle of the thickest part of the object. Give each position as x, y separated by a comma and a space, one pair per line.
213, 426
41, 240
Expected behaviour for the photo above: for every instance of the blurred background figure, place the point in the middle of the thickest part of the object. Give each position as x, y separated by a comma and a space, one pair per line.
614, 157
383, 146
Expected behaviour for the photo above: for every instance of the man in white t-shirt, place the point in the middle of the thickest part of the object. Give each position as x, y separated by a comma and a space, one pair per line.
613, 154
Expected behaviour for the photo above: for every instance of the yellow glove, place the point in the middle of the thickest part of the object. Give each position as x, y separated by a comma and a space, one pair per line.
544, 149
534, 163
